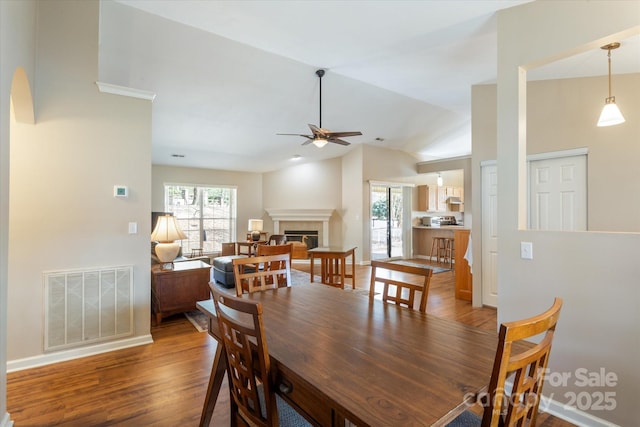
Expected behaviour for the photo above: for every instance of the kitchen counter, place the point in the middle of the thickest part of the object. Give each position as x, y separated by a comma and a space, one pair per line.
422, 238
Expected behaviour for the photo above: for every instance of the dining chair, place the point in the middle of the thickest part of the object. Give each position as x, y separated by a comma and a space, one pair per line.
228, 249
261, 273
251, 388
518, 404
264, 250
399, 288
277, 239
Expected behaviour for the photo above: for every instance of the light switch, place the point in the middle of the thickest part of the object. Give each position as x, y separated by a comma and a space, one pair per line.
133, 228
526, 250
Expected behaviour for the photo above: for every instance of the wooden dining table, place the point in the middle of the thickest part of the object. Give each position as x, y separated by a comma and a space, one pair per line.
339, 356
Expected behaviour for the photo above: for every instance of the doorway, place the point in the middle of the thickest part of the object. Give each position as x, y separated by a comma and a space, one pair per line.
386, 221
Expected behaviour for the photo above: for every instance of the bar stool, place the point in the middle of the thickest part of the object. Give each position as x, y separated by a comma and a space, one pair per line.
448, 251
437, 246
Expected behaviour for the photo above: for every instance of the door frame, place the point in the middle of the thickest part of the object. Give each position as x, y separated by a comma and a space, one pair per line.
407, 203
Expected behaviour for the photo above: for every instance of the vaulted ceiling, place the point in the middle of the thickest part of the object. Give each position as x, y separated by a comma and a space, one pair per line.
229, 75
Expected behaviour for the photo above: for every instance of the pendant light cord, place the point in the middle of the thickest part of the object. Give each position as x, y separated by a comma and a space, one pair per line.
609, 59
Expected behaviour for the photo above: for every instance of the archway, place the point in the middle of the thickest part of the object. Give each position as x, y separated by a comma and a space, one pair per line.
21, 100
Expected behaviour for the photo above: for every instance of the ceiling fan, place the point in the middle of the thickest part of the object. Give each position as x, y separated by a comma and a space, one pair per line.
320, 137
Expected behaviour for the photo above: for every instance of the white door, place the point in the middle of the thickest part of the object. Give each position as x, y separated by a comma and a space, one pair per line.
558, 194
490, 235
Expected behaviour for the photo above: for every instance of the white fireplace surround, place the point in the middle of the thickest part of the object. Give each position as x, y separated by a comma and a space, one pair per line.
321, 215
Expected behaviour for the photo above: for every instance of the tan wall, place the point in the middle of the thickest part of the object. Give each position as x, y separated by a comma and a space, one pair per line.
355, 228
314, 185
62, 211
17, 49
596, 273
557, 121
561, 114
249, 186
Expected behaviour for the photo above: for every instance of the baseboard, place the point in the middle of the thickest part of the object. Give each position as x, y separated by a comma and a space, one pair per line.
76, 353
6, 421
572, 414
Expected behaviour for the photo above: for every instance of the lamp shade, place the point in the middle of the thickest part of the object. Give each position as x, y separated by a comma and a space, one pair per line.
255, 225
167, 230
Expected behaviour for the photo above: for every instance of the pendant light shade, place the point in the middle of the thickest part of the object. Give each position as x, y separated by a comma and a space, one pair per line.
610, 114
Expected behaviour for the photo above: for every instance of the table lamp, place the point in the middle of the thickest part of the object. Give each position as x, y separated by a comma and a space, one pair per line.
166, 233
255, 227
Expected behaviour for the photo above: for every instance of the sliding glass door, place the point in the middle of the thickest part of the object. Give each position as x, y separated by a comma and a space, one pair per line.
386, 221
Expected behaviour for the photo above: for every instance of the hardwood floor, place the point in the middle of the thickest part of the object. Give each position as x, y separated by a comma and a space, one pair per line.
164, 383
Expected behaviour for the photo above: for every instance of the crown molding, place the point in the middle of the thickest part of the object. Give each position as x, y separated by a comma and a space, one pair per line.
125, 91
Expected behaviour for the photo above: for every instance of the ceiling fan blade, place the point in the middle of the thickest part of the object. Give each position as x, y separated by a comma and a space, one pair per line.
296, 134
308, 141
342, 134
317, 131
338, 141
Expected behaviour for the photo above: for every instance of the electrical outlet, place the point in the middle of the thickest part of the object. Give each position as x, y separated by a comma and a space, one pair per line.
526, 250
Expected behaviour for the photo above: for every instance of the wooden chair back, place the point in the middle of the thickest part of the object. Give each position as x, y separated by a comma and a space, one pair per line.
277, 239
228, 249
400, 288
248, 365
264, 250
526, 368
261, 273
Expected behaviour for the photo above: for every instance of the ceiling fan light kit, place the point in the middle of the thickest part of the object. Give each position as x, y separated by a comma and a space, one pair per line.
321, 137
610, 114
320, 142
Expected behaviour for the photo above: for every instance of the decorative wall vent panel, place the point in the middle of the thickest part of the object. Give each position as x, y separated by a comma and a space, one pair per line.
84, 307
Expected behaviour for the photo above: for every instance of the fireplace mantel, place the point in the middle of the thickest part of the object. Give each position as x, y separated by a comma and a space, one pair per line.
320, 215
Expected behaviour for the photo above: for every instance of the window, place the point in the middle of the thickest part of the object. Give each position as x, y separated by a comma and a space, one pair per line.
207, 215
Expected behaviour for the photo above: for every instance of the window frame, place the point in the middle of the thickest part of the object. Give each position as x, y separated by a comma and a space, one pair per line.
195, 220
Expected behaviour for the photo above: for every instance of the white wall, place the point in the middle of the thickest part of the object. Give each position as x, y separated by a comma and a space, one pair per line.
62, 211
595, 273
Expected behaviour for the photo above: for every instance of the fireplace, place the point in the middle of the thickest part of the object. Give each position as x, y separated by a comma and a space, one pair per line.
299, 236
303, 220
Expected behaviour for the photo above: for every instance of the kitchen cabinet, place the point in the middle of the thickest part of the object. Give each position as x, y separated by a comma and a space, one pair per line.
426, 198
434, 199
444, 193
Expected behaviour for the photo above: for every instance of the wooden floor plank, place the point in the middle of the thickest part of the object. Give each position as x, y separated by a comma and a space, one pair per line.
164, 383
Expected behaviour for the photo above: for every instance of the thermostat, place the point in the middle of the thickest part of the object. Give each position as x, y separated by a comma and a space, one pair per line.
120, 191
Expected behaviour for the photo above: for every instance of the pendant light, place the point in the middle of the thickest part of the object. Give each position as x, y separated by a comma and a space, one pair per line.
439, 181
610, 114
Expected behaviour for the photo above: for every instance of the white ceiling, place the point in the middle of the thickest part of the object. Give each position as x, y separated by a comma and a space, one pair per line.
230, 75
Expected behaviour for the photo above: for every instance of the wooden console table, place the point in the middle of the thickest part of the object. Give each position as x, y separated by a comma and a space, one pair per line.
178, 290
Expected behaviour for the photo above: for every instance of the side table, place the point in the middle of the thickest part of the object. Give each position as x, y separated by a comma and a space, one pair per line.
178, 290
333, 264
